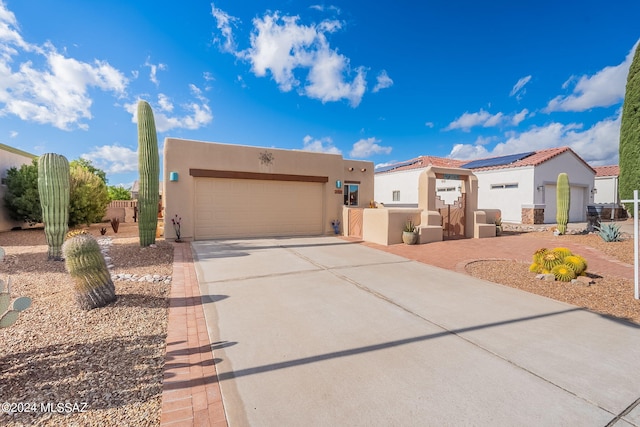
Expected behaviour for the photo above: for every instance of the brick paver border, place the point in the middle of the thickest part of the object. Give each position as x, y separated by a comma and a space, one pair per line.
190, 390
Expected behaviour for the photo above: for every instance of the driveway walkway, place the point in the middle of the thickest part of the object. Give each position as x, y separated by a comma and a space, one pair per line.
321, 331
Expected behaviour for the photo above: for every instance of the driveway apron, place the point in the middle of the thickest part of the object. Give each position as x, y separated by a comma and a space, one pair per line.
319, 331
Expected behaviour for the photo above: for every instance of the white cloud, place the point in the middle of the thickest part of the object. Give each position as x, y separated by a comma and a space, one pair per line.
597, 145
383, 81
198, 113
468, 152
153, 70
13, 134
113, 158
429, 125
487, 120
282, 47
55, 93
518, 89
469, 120
368, 147
225, 23
519, 117
322, 145
164, 102
603, 89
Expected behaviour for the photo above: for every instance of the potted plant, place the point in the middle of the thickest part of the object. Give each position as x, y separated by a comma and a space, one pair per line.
176, 226
498, 222
336, 226
409, 233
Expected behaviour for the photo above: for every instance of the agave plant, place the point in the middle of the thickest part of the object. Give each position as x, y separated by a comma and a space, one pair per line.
563, 273
609, 232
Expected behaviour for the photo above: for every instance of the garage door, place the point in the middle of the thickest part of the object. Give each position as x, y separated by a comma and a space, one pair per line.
256, 208
577, 207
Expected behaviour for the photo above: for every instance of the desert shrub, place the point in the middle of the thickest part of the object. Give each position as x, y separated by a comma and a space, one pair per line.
21, 197
89, 197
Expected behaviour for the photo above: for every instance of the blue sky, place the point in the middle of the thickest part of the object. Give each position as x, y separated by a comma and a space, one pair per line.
381, 81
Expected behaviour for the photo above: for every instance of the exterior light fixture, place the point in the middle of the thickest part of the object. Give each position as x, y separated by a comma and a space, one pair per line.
338, 184
594, 190
350, 169
173, 176
363, 170
540, 187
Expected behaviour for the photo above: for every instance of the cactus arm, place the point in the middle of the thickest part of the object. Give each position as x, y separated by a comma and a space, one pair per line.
149, 169
563, 197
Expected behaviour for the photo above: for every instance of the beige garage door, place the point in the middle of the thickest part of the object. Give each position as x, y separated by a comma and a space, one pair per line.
255, 208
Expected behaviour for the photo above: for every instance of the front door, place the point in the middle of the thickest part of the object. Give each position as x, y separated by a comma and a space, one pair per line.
453, 217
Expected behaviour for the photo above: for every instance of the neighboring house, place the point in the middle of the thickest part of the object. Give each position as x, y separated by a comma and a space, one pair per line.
606, 186
135, 189
522, 186
10, 157
228, 191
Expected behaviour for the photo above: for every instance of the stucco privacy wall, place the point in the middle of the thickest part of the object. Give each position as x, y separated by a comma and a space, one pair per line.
10, 157
197, 162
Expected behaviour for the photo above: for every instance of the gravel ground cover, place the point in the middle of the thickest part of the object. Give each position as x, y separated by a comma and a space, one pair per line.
611, 296
71, 367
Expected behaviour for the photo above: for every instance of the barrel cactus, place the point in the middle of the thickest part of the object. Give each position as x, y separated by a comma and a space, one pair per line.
85, 263
54, 190
563, 273
563, 197
149, 168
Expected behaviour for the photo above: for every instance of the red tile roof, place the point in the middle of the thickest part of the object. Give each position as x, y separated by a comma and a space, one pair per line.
612, 170
423, 162
539, 156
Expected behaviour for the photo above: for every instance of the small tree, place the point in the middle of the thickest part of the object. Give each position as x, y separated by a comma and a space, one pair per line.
629, 179
88, 165
89, 197
21, 198
119, 193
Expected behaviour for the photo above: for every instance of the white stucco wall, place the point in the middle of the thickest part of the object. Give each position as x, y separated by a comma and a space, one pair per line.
581, 180
407, 183
508, 200
10, 157
607, 187
404, 181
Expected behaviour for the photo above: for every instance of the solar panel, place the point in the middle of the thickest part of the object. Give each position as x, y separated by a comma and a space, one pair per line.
496, 161
395, 166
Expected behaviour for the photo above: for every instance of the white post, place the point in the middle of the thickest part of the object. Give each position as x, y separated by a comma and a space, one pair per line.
635, 241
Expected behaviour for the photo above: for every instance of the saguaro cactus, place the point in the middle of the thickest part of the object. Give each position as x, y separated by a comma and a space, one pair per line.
563, 200
149, 169
85, 263
54, 188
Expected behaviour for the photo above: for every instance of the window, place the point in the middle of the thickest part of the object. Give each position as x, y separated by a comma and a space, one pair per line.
351, 194
501, 186
396, 196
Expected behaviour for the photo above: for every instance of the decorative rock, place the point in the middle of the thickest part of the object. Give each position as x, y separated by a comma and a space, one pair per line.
549, 277
583, 280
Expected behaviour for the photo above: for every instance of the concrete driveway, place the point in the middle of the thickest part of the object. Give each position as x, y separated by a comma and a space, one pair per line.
319, 331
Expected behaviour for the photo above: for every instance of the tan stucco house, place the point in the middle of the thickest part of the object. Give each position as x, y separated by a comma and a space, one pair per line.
10, 157
228, 191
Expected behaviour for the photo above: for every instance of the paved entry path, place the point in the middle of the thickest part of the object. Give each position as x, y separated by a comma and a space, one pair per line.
455, 254
322, 332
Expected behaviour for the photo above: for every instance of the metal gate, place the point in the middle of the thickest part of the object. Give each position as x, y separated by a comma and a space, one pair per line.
453, 217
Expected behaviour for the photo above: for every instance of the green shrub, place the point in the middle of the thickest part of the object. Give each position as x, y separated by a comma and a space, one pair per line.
21, 197
89, 197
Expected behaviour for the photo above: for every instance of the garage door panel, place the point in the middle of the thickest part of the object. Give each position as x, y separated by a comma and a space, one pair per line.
577, 209
253, 208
